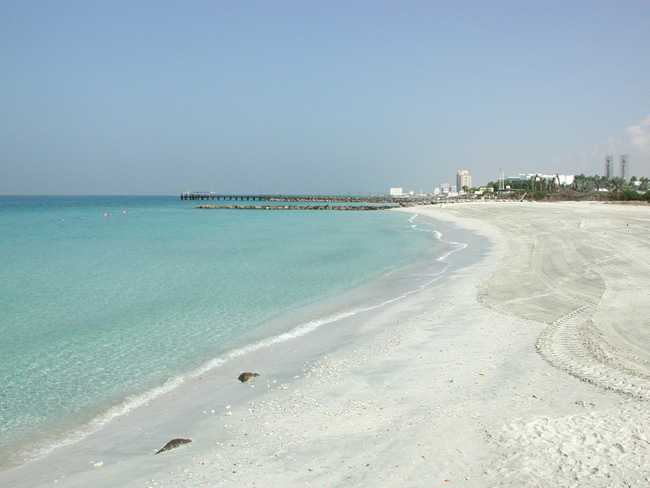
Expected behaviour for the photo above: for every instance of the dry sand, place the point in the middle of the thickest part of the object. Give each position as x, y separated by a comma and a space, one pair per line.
530, 367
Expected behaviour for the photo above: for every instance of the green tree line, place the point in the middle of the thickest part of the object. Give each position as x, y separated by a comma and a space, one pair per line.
617, 188
581, 183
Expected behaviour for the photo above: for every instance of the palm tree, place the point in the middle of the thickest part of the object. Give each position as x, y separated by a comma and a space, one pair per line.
617, 184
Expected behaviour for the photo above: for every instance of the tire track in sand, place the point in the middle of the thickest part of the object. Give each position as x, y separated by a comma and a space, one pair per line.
567, 344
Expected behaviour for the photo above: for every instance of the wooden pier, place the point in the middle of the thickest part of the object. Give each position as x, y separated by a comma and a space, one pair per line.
377, 199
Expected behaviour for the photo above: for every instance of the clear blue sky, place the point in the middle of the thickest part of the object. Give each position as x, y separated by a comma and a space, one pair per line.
329, 97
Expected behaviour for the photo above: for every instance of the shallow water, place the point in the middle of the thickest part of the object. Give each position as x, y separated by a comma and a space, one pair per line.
108, 301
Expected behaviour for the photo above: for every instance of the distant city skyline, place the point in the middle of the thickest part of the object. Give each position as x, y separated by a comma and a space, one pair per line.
316, 97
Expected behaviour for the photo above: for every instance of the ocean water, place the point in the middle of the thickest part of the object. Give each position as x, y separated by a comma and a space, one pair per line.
106, 302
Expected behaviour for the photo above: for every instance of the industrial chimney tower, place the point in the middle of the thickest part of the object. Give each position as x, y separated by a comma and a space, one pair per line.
608, 166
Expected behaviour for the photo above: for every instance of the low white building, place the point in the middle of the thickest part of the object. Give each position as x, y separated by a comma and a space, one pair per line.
396, 192
559, 179
566, 179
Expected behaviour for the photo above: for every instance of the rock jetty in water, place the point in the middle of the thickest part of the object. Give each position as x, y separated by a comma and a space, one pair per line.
297, 207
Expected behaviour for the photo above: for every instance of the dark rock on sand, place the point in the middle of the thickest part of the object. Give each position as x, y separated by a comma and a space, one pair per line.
174, 443
244, 377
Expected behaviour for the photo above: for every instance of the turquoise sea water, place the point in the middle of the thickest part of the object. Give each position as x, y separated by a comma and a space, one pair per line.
105, 301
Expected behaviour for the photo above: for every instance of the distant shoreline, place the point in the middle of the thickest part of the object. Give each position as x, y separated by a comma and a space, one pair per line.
415, 200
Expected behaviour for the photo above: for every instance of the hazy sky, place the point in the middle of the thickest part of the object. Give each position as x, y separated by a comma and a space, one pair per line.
329, 97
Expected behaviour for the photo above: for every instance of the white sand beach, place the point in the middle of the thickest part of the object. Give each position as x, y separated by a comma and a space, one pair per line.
530, 367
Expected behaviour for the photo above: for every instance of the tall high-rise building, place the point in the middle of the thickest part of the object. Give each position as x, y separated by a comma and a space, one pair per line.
463, 178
